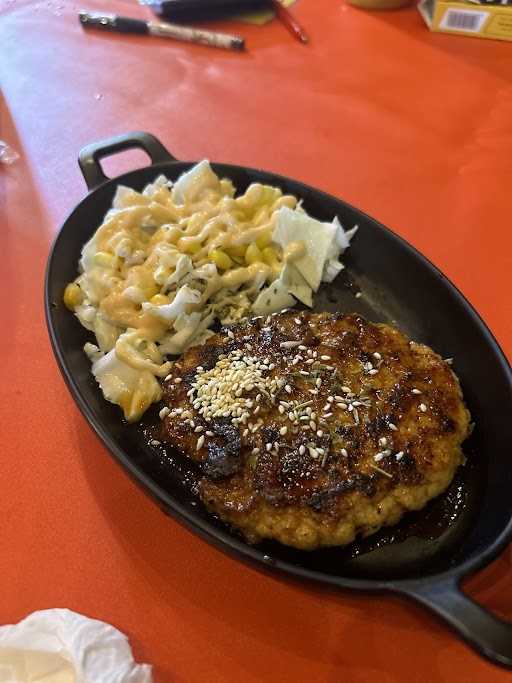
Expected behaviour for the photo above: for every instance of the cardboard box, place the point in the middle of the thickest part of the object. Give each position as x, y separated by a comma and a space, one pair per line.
480, 20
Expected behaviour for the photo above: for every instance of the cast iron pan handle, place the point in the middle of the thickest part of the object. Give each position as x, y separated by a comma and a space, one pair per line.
90, 156
489, 635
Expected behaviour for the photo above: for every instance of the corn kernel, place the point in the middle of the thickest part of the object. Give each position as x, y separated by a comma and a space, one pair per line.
269, 255
73, 296
105, 260
150, 291
221, 259
189, 245
238, 251
173, 234
159, 300
264, 239
253, 254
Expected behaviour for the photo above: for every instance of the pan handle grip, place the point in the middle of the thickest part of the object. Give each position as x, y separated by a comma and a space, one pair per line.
90, 156
488, 634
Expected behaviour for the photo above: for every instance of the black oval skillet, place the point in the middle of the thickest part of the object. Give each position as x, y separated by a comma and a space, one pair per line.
398, 286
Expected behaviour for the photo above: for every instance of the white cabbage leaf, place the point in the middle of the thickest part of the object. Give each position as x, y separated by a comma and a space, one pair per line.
159, 182
191, 185
133, 390
318, 238
333, 266
273, 298
188, 327
183, 267
169, 312
296, 284
106, 333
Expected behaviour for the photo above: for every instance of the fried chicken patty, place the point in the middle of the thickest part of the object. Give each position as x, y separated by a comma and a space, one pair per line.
313, 428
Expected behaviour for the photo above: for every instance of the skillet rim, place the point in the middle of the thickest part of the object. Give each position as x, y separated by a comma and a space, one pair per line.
222, 539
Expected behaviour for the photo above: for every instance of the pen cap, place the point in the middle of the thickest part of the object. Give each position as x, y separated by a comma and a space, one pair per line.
183, 11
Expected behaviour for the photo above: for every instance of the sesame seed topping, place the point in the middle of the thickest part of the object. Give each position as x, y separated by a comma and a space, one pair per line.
345, 390
319, 433
167, 378
344, 452
377, 355
304, 372
399, 456
393, 427
200, 442
373, 372
283, 430
208, 433
268, 447
154, 442
288, 389
423, 407
416, 391
297, 321
358, 295
383, 441
378, 457
302, 450
318, 383
255, 451
325, 358
302, 347
198, 429
164, 412
281, 409
230, 334
326, 415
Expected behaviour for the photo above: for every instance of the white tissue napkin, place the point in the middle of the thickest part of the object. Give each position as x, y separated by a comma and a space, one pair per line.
61, 646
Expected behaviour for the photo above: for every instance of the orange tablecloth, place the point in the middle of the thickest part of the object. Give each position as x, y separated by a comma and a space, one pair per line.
412, 127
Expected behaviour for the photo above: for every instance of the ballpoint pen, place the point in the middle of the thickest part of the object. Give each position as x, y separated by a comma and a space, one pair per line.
288, 20
162, 29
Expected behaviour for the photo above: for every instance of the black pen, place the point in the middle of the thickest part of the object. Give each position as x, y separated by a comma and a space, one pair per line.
162, 29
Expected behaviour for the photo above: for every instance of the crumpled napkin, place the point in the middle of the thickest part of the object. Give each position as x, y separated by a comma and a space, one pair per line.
61, 646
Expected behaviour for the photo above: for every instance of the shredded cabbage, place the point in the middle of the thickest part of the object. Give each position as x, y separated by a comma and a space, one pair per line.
170, 261
133, 390
185, 295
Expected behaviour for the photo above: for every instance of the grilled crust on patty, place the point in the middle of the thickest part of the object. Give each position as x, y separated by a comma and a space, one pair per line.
314, 428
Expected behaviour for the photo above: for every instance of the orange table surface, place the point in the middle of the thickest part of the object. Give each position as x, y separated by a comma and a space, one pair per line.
412, 127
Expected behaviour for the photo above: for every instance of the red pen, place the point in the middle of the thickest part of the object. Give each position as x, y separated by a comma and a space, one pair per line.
288, 20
